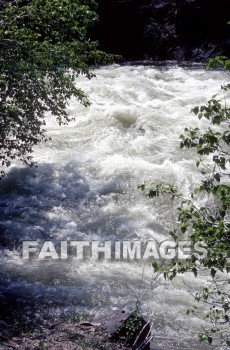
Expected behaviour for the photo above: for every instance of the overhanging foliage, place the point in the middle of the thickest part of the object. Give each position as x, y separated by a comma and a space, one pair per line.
44, 47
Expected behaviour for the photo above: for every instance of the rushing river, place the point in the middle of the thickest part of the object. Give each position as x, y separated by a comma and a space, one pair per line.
85, 188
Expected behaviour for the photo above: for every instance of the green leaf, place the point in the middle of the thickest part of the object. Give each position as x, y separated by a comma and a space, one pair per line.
194, 270
155, 266
213, 272
141, 187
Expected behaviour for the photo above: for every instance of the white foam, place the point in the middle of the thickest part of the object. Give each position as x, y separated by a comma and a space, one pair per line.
86, 182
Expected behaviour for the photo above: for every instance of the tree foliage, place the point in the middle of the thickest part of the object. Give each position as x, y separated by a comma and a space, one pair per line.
44, 46
207, 224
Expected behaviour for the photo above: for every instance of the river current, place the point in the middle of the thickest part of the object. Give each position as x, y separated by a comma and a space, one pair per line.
85, 188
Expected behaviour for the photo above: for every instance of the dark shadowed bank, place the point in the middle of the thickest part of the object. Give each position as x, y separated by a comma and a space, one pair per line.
164, 29
116, 330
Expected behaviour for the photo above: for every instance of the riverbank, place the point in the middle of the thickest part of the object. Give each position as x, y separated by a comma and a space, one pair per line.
71, 336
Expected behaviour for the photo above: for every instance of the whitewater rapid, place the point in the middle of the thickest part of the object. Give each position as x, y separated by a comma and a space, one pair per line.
85, 188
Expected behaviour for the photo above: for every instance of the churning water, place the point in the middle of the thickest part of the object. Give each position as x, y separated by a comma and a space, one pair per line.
85, 188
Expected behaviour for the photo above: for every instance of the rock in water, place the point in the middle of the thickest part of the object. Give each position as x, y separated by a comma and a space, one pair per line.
130, 329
